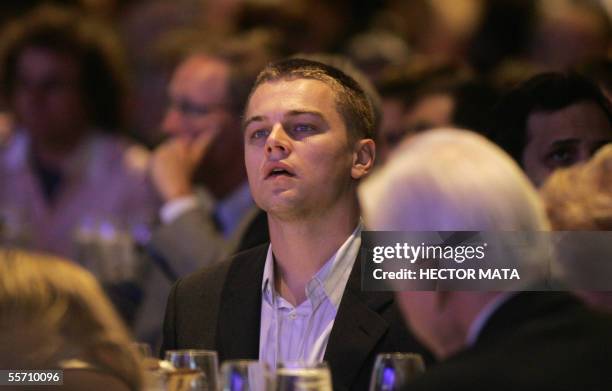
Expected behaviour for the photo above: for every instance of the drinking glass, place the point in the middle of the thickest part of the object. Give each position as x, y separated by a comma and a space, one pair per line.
299, 376
246, 375
203, 361
392, 371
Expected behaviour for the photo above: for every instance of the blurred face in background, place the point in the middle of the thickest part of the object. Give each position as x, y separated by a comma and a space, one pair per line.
563, 138
199, 102
430, 111
399, 121
47, 97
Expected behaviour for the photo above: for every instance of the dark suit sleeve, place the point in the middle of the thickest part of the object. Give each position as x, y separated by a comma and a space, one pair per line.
193, 305
169, 335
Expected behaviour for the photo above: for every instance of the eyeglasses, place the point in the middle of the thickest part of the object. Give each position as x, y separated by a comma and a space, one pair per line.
191, 109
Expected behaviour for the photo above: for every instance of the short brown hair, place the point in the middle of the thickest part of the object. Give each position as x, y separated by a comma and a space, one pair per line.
351, 101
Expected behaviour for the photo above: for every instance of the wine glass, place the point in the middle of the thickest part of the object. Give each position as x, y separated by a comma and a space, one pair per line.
303, 376
246, 375
203, 361
392, 371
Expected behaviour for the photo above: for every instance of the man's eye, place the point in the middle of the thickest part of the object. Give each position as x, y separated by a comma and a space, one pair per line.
302, 128
562, 158
259, 133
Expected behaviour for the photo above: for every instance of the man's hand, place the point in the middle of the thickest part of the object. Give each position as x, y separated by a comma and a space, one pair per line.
175, 161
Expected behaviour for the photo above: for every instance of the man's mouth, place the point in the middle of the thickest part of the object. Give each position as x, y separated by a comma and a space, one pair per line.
280, 170
276, 172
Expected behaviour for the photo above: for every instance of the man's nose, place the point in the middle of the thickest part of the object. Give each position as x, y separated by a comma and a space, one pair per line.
278, 143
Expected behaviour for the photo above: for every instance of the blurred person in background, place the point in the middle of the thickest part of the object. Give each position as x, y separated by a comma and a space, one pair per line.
486, 340
461, 101
503, 34
208, 211
579, 198
434, 29
375, 51
567, 33
550, 121
54, 314
423, 97
66, 169
600, 72
142, 26
306, 26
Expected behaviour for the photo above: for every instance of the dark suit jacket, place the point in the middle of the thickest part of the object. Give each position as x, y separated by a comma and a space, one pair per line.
220, 308
535, 341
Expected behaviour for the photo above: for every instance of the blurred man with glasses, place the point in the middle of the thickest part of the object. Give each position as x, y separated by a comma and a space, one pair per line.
199, 170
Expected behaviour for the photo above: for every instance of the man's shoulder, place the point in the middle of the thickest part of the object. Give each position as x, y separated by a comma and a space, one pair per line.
541, 352
201, 281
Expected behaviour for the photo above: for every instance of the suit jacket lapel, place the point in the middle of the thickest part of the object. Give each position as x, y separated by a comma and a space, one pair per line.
240, 310
357, 329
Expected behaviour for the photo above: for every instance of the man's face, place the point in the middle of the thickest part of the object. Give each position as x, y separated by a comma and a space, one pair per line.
562, 138
297, 151
199, 102
47, 99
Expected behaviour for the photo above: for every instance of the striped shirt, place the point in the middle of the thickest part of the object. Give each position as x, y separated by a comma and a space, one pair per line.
300, 333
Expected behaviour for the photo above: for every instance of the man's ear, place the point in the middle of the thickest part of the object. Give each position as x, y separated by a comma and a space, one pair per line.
364, 154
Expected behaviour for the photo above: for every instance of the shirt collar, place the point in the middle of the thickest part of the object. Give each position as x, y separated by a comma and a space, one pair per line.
329, 282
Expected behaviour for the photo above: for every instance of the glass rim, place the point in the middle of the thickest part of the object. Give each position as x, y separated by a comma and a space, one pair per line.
245, 362
302, 364
191, 352
399, 355
303, 371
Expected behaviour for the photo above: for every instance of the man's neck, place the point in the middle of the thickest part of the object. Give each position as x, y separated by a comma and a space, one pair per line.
302, 247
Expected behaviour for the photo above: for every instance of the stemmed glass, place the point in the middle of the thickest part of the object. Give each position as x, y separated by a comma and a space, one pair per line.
301, 376
246, 375
204, 363
392, 371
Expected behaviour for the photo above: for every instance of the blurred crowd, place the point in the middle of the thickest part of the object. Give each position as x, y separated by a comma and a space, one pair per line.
121, 133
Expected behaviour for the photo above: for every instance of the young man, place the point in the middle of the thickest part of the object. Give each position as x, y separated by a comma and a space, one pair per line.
308, 142
199, 170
